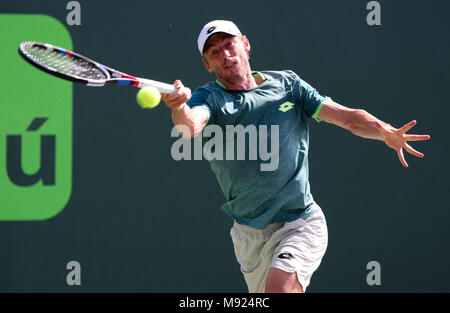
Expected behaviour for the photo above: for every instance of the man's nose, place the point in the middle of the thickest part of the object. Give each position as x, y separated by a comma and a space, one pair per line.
226, 53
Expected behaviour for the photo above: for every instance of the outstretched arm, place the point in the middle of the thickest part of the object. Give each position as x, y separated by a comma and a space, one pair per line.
182, 115
363, 124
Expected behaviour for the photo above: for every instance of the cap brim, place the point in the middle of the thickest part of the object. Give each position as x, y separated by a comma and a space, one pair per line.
205, 45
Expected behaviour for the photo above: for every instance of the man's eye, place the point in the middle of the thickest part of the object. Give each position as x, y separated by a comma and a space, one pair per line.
214, 52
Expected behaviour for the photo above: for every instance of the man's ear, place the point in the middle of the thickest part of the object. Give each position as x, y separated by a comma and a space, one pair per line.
206, 64
246, 43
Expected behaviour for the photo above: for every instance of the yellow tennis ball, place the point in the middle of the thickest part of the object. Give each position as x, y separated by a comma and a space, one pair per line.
148, 97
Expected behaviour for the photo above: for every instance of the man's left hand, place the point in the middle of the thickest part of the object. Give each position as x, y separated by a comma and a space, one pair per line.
397, 139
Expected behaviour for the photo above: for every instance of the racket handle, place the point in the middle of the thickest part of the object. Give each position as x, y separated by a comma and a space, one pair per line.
162, 87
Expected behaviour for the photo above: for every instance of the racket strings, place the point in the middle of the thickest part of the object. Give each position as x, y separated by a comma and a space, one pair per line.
63, 63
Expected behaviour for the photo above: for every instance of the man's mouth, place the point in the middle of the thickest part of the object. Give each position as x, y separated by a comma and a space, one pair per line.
229, 65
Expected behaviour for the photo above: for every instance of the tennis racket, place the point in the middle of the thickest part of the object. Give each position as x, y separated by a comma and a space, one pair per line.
74, 67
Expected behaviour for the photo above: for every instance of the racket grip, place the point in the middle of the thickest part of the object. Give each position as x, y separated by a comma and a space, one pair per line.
162, 87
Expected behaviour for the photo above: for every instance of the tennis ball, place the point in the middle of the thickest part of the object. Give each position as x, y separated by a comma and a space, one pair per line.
148, 97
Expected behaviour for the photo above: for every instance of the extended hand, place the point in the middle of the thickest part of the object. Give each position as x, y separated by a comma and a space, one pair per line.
397, 139
177, 100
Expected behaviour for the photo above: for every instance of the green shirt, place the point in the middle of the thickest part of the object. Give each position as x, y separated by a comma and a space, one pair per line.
255, 197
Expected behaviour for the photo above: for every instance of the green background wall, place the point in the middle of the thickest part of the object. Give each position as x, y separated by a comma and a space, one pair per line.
138, 221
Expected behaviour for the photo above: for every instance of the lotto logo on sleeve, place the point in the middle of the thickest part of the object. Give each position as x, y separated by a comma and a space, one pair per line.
35, 124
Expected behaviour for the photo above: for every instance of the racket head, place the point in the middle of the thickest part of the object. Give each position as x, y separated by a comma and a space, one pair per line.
64, 64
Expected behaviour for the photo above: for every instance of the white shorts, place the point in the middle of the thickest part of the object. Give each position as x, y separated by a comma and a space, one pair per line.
296, 246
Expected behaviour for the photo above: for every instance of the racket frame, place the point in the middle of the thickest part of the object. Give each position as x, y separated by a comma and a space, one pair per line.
114, 77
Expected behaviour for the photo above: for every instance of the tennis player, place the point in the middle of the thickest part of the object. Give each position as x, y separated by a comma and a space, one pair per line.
279, 232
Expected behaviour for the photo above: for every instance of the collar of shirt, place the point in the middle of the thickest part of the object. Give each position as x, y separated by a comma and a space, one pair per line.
254, 74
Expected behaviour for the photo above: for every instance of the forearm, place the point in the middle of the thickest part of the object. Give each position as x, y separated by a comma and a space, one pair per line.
182, 117
363, 124
189, 122
358, 122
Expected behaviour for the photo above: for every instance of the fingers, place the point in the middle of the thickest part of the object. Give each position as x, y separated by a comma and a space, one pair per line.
178, 84
177, 98
401, 157
408, 126
417, 137
410, 150
414, 152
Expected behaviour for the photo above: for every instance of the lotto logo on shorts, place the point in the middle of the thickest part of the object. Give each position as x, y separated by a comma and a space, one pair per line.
35, 124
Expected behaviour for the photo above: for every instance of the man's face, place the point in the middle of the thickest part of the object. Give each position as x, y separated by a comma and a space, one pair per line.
227, 56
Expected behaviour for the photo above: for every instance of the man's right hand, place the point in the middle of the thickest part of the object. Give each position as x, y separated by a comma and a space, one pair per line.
177, 100
189, 122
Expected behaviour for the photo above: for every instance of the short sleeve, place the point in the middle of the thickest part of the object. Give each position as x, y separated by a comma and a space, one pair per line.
310, 100
200, 99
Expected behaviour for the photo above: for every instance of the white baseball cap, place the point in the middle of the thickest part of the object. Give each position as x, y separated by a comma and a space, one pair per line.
217, 26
